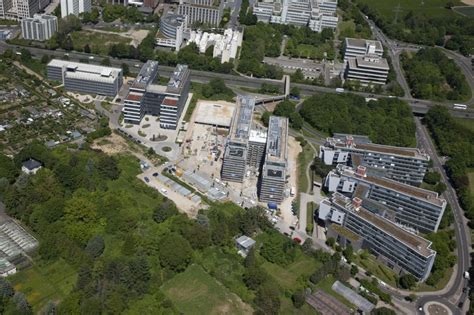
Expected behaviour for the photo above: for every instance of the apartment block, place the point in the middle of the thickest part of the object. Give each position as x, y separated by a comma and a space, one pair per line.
19, 9
273, 176
236, 150
356, 47
40, 27
316, 14
406, 165
414, 208
75, 7
351, 223
86, 78
201, 12
368, 69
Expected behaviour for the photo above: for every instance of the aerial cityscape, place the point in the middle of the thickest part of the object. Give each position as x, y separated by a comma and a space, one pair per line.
236, 157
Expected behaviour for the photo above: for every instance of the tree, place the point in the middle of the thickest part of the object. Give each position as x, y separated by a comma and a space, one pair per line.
125, 69
175, 252
22, 306
45, 59
25, 55
383, 311
298, 298
68, 44
348, 253
95, 247
331, 242
87, 49
106, 62
354, 270
254, 277
266, 118
432, 177
407, 281
267, 299
81, 218
165, 210
295, 91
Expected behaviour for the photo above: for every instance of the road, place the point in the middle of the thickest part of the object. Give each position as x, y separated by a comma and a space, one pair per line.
418, 106
449, 296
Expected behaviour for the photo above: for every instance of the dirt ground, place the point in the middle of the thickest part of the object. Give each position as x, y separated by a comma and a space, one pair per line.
468, 2
136, 36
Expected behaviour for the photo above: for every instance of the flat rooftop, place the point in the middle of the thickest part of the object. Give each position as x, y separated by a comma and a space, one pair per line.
175, 20
146, 75
363, 43
178, 79
415, 242
85, 70
214, 113
242, 120
277, 139
368, 61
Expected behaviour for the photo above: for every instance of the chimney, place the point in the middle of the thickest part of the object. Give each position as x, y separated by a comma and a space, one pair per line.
361, 171
349, 141
356, 203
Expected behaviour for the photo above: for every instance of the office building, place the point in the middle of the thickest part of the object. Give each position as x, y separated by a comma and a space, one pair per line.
316, 14
351, 223
166, 101
356, 47
40, 27
412, 207
256, 147
406, 165
18, 9
171, 32
236, 150
201, 12
368, 69
75, 7
86, 78
273, 177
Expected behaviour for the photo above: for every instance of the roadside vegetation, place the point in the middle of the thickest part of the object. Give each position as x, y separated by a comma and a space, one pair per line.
432, 75
386, 121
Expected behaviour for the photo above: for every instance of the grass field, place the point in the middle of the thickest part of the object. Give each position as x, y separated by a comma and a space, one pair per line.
43, 283
467, 123
98, 42
304, 158
377, 269
466, 11
429, 7
287, 277
196, 292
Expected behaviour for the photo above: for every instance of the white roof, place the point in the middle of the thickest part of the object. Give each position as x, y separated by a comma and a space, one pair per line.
86, 71
245, 241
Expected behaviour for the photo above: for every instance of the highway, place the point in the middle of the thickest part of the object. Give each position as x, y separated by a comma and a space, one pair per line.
418, 106
450, 294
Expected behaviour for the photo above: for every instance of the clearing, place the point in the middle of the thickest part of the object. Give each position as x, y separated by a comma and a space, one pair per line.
430, 8
98, 42
196, 292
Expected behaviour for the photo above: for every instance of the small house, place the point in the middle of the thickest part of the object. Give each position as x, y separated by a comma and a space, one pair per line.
30, 166
244, 245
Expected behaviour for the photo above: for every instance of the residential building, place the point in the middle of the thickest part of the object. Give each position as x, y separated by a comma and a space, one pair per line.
30, 166
244, 245
201, 11
316, 14
236, 149
40, 27
407, 165
360, 227
356, 47
18, 9
86, 78
272, 182
171, 32
225, 45
412, 207
368, 69
146, 97
75, 7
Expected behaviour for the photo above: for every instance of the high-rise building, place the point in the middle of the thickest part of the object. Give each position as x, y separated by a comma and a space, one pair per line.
257, 144
236, 150
75, 7
171, 32
201, 11
19, 9
412, 207
351, 223
40, 27
273, 177
406, 165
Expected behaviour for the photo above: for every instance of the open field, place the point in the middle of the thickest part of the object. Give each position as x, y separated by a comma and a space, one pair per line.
430, 8
98, 42
467, 123
377, 269
196, 292
43, 283
466, 11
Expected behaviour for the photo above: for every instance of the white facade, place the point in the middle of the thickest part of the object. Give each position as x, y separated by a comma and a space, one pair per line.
201, 11
225, 45
316, 14
368, 69
74, 7
354, 47
18, 9
40, 27
172, 27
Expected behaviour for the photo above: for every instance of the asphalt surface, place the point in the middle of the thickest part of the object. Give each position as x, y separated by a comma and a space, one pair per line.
449, 298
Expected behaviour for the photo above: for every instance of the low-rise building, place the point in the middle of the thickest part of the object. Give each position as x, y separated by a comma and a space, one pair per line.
407, 165
399, 249
40, 27
86, 78
355, 47
412, 207
30, 166
244, 245
368, 69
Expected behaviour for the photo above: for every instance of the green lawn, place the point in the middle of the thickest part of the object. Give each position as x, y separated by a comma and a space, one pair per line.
466, 11
313, 52
196, 292
326, 286
467, 123
377, 269
43, 283
428, 7
98, 42
288, 276
287, 308
304, 158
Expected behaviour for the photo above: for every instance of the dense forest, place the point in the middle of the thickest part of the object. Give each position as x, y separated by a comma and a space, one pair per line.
386, 121
432, 75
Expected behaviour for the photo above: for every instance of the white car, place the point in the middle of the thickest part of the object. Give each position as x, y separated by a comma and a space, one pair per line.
163, 191
91, 57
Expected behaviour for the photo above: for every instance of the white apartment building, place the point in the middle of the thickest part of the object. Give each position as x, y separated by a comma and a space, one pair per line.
18, 9
368, 69
225, 45
316, 14
40, 27
354, 47
74, 7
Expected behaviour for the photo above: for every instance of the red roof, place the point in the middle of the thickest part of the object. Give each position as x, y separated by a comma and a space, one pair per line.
170, 101
134, 97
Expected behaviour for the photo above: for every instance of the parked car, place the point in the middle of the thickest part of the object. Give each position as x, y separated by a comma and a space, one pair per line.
147, 179
155, 174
